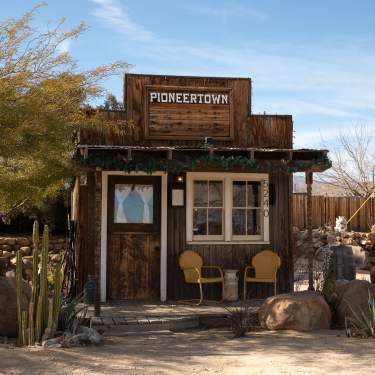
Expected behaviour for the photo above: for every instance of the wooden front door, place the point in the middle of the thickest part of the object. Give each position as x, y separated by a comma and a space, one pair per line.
133, 257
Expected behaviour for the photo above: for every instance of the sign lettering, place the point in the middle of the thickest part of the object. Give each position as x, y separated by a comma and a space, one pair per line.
188, 98
188, 112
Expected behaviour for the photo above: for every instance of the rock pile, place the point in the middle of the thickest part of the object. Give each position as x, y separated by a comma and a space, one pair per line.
332, 248
327, 236
10, 245
83, 336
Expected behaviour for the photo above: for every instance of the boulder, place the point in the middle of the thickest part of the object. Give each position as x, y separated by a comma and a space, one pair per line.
25, 250
355, 294
371, 236
94, 337
346, 260
7, 254
10, 241
299, 311
23, 241
52, 343
56, 258
6, 247
11, 273
8, 305
372, 274
27, 263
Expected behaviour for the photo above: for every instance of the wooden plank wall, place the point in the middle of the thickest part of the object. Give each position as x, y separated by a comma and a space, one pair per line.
165, 120
84, 229
262, 131
268, 131
234, 256
135, 88
327, 209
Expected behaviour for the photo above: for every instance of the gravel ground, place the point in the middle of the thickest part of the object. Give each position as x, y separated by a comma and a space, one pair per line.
200, 352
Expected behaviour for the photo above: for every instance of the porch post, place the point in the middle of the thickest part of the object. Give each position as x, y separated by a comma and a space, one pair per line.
97, 236
309, 181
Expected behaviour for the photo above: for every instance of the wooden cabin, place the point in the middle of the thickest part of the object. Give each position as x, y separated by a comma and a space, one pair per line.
191, 168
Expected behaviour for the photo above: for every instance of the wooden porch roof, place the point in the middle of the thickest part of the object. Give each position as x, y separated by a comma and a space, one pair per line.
316, 160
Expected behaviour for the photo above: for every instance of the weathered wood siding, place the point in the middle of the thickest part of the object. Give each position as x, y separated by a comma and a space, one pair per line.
268, 131
84, 229
133, 266
234, 256
166, 119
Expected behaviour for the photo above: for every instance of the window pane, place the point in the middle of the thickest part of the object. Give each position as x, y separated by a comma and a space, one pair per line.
200, 193
216, 194
200, 221
239, 222
253, 194
253, 222
134, 204
239, 193
215, 221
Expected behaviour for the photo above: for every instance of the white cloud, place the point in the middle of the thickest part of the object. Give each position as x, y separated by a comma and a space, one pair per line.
117, 17
331, 80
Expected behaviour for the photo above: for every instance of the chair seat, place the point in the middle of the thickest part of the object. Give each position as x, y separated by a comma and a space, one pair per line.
258, 280
208, 280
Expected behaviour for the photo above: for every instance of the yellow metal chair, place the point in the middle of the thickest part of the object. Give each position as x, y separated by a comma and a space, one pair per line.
265, 264
191, 265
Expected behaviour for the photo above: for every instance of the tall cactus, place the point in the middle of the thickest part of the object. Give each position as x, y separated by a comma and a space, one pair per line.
58, 281
41, 317
43, 292
19, 295
35, 284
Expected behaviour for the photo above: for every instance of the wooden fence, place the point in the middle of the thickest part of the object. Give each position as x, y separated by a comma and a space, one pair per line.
325, 210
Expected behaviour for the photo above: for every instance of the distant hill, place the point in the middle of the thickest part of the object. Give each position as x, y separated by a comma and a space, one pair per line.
318, 188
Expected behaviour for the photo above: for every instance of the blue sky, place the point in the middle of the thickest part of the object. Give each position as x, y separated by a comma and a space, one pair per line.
312, 59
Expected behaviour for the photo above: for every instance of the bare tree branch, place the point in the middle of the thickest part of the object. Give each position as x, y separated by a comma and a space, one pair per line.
353, 165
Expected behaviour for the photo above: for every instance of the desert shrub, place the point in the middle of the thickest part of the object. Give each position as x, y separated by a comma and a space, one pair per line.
362, 323
242, 319
72, 314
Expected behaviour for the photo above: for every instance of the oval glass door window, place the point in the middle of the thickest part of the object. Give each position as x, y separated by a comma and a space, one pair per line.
133, 204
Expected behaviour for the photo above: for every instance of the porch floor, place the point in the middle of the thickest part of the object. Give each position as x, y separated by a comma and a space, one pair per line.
140, 316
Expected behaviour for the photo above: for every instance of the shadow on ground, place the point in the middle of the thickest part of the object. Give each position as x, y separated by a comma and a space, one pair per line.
193, 352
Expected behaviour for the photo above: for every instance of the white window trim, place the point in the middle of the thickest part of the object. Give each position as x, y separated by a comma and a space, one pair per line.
228, 179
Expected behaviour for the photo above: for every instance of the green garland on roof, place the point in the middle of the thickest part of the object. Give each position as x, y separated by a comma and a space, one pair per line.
177, 166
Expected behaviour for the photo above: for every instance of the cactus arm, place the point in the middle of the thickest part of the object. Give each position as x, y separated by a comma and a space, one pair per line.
19, 294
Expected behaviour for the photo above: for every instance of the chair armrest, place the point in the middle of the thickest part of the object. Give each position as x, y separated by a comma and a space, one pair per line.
246, 269
217, 268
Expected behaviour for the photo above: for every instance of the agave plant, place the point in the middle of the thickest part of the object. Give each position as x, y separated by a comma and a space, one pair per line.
242, 319
72, 313
362, 323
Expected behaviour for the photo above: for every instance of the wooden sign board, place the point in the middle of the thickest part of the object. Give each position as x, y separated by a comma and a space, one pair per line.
186, 112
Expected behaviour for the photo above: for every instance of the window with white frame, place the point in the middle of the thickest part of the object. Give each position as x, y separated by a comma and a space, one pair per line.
227, 207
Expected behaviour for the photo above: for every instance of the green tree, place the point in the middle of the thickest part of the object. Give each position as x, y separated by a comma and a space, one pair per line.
111, 103
42, 96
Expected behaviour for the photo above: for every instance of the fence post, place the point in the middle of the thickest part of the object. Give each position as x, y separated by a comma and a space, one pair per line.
309, 181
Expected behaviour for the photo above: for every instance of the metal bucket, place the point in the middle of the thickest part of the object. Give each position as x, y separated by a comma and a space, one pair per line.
230, 285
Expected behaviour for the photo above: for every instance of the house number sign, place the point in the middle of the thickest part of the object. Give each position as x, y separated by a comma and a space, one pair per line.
266, 199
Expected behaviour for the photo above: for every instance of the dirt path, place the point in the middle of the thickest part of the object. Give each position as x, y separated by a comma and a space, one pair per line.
200, 352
